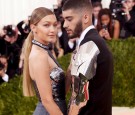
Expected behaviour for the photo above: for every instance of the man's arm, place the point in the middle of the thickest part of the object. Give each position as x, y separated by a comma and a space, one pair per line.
68, 78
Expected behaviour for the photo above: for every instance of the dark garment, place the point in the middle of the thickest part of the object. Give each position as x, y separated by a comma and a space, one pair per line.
57, 77
64, 42
13, 61
100, 86
127, 27
95, 1
58, 92
1, 80
3, 47
41, 110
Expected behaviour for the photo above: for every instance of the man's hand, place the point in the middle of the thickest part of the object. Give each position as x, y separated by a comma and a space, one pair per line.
74, 109
126, 10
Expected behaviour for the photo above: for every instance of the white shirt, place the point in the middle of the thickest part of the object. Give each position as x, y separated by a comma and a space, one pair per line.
5, 78
84, 33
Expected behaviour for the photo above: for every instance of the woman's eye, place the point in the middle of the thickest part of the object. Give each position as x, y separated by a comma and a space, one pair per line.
46, 25
55, 25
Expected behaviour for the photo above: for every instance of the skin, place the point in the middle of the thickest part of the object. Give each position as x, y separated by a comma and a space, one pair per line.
4, 61
104, 33
96, 11
44, 32
74, 23
128, 6
105, 19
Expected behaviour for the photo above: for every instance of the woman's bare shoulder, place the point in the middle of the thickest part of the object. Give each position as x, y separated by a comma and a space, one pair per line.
116, 22
38, 55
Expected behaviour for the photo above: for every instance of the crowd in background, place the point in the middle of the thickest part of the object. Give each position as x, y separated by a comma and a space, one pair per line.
118, 22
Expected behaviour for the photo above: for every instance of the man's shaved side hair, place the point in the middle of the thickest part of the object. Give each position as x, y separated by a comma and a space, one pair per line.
78, 5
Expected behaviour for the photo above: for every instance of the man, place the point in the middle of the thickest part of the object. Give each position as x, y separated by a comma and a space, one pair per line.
128, 20
124, 12
77, 16
97, 6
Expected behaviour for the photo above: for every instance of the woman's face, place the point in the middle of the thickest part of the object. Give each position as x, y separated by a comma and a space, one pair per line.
46, 30
105, 19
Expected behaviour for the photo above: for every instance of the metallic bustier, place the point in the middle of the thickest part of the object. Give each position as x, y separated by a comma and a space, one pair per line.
58, 83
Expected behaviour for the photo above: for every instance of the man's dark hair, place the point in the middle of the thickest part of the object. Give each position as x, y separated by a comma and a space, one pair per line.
77, 5
97, 4
1, 66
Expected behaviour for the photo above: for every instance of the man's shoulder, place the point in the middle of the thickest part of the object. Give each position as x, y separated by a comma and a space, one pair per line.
94, 36
1, 80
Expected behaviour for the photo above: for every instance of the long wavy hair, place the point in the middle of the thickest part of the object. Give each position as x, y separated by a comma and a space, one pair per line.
36, 16
111, 23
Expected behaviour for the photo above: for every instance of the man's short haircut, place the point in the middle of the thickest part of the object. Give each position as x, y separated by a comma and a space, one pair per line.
79, 5
97, 4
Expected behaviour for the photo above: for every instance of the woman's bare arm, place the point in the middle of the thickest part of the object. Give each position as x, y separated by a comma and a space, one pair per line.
116, 29
40, 72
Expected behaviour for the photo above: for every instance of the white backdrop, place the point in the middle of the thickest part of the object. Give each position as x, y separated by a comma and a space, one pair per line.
13, 11
106, 3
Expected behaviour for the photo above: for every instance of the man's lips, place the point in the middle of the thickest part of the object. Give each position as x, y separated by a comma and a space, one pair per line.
68, 31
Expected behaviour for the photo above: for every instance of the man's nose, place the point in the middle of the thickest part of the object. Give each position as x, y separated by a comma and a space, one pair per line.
65, 25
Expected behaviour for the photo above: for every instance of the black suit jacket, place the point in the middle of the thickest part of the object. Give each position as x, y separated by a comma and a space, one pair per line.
1, 80
100, 86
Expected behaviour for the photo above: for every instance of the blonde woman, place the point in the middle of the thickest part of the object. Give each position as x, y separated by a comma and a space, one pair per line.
41, 70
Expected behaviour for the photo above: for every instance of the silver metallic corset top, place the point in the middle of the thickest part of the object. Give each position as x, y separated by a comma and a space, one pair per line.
58, 84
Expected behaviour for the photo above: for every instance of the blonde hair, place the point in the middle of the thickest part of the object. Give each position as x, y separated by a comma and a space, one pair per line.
36, 16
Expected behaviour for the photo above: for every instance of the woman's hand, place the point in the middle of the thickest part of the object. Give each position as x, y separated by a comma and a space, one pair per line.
107, 35
101, 32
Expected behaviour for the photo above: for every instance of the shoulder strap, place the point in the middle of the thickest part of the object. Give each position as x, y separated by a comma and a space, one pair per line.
50, 54
47, 49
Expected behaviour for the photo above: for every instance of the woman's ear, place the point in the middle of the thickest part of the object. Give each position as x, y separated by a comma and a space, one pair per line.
33, 28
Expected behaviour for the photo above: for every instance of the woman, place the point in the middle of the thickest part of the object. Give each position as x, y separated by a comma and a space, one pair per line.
41, 70
107, 27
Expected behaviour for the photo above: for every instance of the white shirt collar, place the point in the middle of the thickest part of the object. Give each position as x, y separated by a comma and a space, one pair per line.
5, 78
84, 33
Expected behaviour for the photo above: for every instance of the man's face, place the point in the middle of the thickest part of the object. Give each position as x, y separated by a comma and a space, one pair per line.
72, 23
96, 11
130, 4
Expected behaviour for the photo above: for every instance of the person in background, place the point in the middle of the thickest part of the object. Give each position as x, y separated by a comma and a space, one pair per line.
97, 6
128, 20
41, 70
3, 69
65, 43
124, 12
12, 49
108, 27
24, 29
92, 1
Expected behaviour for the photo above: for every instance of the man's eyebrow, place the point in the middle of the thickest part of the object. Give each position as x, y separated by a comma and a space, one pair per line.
67, 17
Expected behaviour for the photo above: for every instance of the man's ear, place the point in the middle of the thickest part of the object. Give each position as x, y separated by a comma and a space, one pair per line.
85, 18
33, 28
